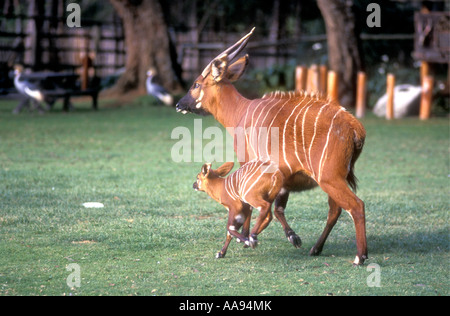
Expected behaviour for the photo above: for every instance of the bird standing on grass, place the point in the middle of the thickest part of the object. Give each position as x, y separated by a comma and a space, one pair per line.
29, 90
157, 90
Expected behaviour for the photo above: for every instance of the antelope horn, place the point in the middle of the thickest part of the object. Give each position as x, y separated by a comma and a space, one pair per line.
232, 51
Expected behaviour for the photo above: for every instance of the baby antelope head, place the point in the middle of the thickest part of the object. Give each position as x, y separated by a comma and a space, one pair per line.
208, 175
202, 178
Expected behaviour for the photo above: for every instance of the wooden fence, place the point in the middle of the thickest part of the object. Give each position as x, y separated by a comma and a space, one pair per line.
45, 42
318, 79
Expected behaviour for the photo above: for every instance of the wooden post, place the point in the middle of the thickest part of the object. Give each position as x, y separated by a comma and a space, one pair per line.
361, 95
424, 70
301, 74
312, 84
323, 69
390, 84
86, 63
332, 85
426, 98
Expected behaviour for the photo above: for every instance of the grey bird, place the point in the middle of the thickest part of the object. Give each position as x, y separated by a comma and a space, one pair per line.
157, 90
30, 91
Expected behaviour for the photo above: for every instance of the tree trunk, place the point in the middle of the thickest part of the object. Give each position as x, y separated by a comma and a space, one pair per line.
34, 31
343, 49
147, 46
273, 33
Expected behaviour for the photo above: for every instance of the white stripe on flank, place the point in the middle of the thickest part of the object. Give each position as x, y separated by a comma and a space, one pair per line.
295, 133
270, 126
226, 186
258, 127
256, 181
326, 145
235, 183
250, 170
231, 190
303, 134
273, 184
248, 139
268, 131
314, 136
245, 134
256, 132
252, 130
284, 133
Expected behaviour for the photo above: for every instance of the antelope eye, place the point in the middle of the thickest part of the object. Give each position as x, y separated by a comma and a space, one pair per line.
196, 85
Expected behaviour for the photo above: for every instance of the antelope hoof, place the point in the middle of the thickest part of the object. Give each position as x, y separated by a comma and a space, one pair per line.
246, 242
220, 255
315, 252
359, 261
295, 240
253, 242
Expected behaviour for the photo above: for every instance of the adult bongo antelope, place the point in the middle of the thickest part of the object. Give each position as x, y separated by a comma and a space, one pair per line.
318, 142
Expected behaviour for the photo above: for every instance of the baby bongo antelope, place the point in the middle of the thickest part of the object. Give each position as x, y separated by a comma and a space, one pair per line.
256, 184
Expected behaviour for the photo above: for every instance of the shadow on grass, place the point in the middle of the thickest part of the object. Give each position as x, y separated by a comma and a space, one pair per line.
424, 242
383, 244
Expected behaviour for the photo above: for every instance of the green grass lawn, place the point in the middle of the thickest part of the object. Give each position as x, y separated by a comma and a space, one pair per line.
157, 236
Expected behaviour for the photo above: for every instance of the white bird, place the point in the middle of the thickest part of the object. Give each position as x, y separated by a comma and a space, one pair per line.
30, 91
157, 90
27, 88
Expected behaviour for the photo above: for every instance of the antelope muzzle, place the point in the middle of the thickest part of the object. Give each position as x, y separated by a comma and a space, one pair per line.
185, 103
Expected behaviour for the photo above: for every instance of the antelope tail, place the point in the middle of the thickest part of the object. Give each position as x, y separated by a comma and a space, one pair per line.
358, 144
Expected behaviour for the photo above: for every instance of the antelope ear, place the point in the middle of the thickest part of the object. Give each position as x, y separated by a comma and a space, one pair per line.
224, 169
237, 69
219, 68
206, 168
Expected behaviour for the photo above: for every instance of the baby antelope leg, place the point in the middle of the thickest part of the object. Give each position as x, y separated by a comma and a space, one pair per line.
246, 212
232, 231
222, 253
264, 218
